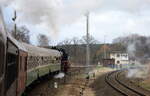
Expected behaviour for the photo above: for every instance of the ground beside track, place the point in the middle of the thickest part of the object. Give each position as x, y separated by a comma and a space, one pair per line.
74, 85
141, 82
146, 84
101, 88
94, 87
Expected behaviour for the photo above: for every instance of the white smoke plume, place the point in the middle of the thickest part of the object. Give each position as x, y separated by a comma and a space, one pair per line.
140, 71
138, 50
4, 1
55, 13
59, 76
39, 12
131, 50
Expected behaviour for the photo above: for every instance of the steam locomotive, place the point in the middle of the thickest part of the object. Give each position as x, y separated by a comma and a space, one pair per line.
21, 64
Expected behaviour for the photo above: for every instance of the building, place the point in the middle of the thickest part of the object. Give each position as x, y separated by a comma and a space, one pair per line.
108, 62
121, 58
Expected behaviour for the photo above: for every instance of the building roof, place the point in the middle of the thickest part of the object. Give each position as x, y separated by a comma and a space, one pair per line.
118, 52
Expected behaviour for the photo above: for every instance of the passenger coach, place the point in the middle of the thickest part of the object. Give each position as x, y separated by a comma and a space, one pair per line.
21, 64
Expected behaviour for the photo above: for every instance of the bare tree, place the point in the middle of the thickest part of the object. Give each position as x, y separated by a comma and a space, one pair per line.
65, 42
137, 46
21, 34
43, 40
126, 39
76, 49
92, 40
75, 41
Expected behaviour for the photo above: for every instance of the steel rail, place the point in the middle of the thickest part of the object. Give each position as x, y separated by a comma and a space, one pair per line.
112, 79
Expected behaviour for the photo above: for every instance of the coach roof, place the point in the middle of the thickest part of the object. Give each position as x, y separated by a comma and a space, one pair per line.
17, 43
38, 51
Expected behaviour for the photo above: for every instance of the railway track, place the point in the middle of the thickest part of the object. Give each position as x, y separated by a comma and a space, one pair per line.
123, 87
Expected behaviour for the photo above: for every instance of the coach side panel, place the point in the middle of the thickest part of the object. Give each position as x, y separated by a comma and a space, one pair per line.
2, 55
2, 65
22, 68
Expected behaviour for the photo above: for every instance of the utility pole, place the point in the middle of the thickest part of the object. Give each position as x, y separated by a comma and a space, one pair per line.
104, 47
15, 26
87, 45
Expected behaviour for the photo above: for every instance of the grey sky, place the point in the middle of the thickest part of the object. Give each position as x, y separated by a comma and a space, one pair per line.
61, 19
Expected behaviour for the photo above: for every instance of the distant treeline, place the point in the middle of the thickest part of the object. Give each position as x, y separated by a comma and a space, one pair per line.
77, 53
137, 46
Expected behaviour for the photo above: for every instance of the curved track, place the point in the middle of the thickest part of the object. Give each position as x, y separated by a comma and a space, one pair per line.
123, 87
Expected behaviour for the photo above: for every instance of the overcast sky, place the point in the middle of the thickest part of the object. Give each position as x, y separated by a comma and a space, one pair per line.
61, 19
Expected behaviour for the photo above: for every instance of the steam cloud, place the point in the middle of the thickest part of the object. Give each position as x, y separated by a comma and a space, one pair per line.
60, 75
138, 49
52, 14
141, 71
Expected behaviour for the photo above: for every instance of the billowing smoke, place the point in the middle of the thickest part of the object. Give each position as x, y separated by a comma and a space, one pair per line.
50, 14
53, 14
39, 12
140, 71
4, 1
59, 76
138, 48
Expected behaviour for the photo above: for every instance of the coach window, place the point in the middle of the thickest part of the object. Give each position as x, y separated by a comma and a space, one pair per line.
30, 58
118, 55
26, 63
118, 62
20, 61
42, 58
11, 70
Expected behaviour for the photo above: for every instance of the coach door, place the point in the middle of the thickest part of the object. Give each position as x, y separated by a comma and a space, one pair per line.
11, 69
22, 72
2, 66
